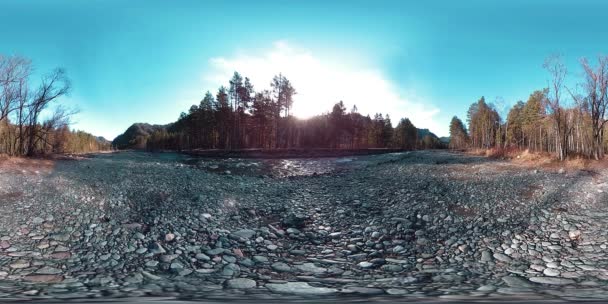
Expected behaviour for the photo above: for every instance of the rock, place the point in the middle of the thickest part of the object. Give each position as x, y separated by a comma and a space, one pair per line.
176, 266
551, 272
366, 265
244, 233
169, 237
240, 283
486, 288
422, 241
574, 234
156, 248
280, 267
310, 268
486, 256
202, 257
502, 257
363, 290
48, 270
272, 247
167, 258
44, 278
391, 268
396, 291
551, 280
293, 220
516, 282
299, 288
216, 251
37, 220
260, 259
463, 248
150, 276
20, 264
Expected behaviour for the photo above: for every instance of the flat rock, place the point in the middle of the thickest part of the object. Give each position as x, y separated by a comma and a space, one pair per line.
311, 268
552, 280
516, 282
299, 288
240, 283
502, 257
280, 267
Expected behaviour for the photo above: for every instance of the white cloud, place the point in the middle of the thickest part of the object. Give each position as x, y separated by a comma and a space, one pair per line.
321, 83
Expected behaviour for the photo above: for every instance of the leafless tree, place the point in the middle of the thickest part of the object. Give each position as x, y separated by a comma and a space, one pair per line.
594, 101
52, 86
557, 70
14, 72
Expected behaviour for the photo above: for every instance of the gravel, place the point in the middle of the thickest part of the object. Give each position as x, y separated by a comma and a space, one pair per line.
425, 223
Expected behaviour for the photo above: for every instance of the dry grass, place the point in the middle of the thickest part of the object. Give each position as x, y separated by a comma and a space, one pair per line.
26, 165
542, 160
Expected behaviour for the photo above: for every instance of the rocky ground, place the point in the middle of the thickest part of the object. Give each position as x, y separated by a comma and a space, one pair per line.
427, 224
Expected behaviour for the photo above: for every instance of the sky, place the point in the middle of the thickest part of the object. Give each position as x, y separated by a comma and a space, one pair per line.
148, 61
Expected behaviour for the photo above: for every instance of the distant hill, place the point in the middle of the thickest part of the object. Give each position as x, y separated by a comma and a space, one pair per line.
445, 140
424, 132
103, 140
136, 135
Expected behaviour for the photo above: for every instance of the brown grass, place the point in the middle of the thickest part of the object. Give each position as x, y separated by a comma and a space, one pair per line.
29, 165
541, 160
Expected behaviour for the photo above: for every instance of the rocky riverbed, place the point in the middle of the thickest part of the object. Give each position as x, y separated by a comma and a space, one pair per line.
426, 224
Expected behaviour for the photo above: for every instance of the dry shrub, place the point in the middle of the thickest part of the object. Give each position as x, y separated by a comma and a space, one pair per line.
502, 153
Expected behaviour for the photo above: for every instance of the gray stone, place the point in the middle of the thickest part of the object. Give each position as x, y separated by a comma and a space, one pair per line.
551, 272
299, 288
241, 283
244, 233
311, 268
516, 282
280, 267
551, 280
502, 257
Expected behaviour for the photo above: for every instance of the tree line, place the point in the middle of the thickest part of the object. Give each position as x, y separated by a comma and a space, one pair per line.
238, 117
23, 130
560, 119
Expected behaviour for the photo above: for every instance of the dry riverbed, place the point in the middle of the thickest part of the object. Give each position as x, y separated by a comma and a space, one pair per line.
417, 224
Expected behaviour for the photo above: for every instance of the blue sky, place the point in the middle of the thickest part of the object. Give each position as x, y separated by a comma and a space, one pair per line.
147, 61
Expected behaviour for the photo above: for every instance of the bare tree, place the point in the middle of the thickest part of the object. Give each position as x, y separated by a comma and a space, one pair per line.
14, 72
556, 68
594, 101
52, 86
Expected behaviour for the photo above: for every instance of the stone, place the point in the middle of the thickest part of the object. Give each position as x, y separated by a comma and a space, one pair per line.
202, 257
48, 270
293, 220
216, 251
551, 272
20, 264
280, 267
486, 256
240, 283
391, 268
502, 257
310, 268
244, 233
299, 288
44, 278
516, 282
169, 237
551, 280
260, 259
363, 290
574, 234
